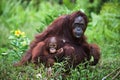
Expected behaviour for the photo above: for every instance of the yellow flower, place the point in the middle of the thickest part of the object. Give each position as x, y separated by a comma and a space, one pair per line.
17, 32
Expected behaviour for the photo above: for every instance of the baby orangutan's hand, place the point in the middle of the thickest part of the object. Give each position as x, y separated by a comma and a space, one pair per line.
59, 51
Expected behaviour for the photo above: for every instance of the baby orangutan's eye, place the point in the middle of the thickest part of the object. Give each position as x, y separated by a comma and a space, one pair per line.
53, 45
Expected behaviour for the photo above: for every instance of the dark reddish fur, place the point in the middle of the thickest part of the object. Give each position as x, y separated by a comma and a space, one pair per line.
61, 27
41, 52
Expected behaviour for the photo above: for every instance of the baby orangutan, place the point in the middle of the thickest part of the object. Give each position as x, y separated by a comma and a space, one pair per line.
48, 51
53, 46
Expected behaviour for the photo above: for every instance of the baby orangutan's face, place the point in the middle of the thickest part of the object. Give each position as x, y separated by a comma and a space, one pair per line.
53, 45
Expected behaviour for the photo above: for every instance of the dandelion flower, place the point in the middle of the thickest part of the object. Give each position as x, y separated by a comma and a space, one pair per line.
17, 33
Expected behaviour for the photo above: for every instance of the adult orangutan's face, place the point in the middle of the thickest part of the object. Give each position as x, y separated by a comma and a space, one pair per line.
78, 27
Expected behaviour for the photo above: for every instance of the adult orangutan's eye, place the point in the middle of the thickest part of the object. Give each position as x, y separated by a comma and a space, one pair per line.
76, 25
82, 26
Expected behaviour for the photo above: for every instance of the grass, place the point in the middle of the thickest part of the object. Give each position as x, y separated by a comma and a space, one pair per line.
30, 20
109, 62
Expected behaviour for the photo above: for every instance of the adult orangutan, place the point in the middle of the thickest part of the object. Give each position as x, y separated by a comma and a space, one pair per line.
71, 28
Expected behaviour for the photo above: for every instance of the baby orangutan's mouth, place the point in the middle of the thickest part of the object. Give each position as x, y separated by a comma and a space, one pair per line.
52, 50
